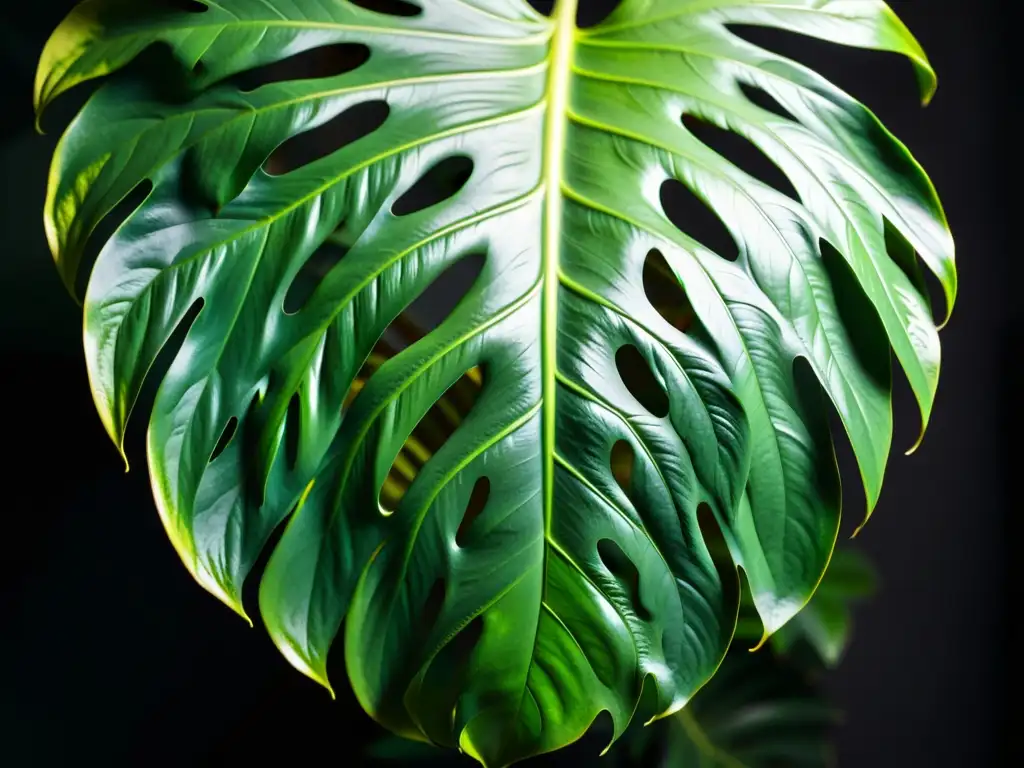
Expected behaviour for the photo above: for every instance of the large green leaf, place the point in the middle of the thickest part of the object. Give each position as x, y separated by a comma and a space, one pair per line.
570, 589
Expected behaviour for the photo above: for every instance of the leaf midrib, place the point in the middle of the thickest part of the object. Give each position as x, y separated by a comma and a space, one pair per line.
555, 128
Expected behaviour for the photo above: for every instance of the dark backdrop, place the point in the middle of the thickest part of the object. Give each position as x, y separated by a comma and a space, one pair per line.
111, 654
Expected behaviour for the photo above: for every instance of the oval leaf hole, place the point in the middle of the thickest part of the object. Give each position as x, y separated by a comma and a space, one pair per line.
312, 273
761, 98
351, 125
442, 296
432, 431
662, 288
389, 7
477, 502
543, 6
423, 315
622, 568
623, 459
225, 438
741, 152
718, 549
325, 61
442, 182
693, 217
639, 380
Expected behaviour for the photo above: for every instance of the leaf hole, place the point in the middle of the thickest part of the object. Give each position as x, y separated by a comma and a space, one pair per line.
382, 351
855, 69
354, 123
251, 584
599, 735
640, 381
545, 7
441, 182
663, 290
718, 550
924, 280
759, 97
322, 62
858, 316
595, 12
749, 625
625, 572
312, 273
425, 314
444, 680
105, 230
695, 218
443, 295
477, 501
452, 661
430, 433
225, 438
824, 426
137, 428
389, 7
741, 152
622, 462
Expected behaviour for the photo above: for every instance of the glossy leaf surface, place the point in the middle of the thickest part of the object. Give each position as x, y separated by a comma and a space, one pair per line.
497, 590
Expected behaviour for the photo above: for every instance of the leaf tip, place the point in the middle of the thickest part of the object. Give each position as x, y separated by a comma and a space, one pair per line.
240, 610
119, 444
229, 598
761, 642
917, 443
315, 670
928, 82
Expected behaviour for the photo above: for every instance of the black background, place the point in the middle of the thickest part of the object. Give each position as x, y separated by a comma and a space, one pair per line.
110, 653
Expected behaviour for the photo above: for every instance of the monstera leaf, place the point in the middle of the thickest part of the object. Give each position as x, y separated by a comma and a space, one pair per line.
512, 586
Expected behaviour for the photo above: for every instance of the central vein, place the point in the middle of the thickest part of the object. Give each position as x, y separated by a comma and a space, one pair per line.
559, 74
